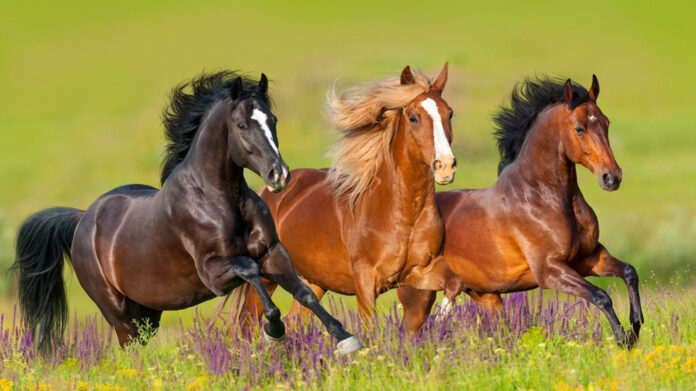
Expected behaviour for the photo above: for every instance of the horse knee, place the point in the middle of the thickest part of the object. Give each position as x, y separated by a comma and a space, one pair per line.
630, 275
249, 270
601, 299
305, 296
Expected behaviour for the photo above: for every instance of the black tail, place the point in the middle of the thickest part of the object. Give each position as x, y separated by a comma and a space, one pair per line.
41, 242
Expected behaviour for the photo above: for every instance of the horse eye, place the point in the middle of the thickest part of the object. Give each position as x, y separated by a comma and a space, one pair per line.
579, 130
451, 115
413, 118
241, 125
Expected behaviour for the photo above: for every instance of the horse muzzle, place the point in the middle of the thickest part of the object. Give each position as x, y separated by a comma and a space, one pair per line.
278, 177
443, 169
610, 180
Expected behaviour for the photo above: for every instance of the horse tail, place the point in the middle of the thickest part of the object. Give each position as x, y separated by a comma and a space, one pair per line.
42, 241
237, 299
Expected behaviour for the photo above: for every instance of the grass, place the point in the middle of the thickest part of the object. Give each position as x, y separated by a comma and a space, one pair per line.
539, 342
83, 85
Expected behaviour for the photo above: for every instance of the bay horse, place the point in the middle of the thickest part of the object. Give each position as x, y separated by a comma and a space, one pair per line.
533, 227
138, 251
370, 222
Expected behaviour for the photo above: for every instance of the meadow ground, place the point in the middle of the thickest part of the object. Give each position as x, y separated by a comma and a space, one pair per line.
83, 85
538, 343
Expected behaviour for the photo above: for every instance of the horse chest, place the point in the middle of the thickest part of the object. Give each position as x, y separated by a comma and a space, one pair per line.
585, 228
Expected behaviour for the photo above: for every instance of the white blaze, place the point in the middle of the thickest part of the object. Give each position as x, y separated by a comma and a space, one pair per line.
592, 118
261, 117
442, 147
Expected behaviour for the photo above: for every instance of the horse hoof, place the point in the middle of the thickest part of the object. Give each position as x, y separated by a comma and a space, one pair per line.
271, 339
273, 333
349, 345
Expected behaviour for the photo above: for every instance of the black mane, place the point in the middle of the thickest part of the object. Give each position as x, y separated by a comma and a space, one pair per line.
527, 100
190, 101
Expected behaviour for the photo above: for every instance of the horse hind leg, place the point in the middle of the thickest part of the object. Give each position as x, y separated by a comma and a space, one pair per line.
146, 320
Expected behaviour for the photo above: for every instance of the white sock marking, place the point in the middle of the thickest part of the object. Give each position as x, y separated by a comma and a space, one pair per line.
261, 117
446, 306
442, 147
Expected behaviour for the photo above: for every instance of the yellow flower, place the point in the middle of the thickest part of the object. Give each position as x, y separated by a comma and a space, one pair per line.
198, 384
6, 385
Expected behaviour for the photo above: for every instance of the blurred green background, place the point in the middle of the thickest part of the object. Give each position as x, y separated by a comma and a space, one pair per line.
82, 86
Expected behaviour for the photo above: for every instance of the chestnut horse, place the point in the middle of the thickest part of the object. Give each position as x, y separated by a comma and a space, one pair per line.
371, 222
533, 227
138, 251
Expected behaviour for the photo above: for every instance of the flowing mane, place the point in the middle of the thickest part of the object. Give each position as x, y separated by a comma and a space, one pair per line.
367, 118
527, 100
190, 103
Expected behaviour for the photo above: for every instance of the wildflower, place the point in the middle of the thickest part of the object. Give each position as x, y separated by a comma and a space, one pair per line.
6, 385
198, 384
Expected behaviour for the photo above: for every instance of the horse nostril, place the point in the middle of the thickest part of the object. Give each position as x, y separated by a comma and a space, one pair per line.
437, 164
454, 163
608, 179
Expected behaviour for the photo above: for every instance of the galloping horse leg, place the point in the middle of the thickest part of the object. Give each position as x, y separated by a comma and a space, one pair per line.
365, 291
143, 316
249, 271
490, 301
561, 277
278, 268
603, 264
254, 306
417, 305
297, 311
123, 314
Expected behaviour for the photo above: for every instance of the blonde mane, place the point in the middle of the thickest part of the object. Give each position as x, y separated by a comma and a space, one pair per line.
367, 118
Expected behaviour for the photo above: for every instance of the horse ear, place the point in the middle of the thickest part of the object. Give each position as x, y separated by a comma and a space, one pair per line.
439, 83
594, 90
568, 92
263, 84
407, 76
236, 88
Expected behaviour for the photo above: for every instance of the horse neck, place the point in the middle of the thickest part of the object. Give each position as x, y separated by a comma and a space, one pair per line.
542, 161
209, 162
406, 180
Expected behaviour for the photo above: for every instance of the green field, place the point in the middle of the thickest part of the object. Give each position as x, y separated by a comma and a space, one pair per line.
82, 86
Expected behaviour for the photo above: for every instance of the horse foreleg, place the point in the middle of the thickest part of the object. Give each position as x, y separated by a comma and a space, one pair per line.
300, 313
278, 268
222, 274
417, 306
490, 301
365, 284
250, 271
603, 264
253, 306
560, 276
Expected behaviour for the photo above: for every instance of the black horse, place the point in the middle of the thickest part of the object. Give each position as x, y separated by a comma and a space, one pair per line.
138, 251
